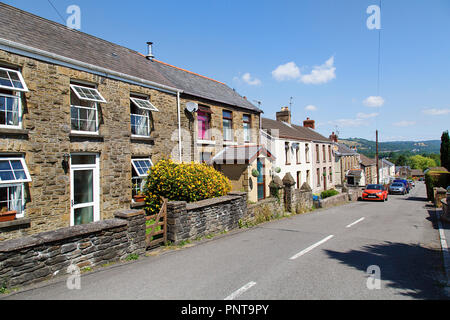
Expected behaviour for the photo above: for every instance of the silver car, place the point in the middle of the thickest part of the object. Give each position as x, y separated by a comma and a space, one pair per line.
397, 188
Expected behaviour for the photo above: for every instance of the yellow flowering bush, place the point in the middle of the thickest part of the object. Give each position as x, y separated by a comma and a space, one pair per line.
188, 182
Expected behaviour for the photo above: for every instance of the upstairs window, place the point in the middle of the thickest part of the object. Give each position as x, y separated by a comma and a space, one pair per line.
307, 153
84, 108
247, 128
287, 152
324, 153
227, 126
13, 175
141, 116
12, 80
204, 123
317, 153
11, 87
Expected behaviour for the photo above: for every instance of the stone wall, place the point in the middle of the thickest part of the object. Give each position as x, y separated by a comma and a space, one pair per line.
264, 210
439, 194
195, 220
296, 200
46, 137
334, 201
46, 255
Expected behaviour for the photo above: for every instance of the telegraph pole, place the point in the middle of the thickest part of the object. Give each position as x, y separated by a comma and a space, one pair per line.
378, 169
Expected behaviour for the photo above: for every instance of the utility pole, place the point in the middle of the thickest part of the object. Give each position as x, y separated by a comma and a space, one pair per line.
378, 169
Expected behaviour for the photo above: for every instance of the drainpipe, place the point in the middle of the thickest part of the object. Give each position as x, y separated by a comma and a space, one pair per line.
179, 125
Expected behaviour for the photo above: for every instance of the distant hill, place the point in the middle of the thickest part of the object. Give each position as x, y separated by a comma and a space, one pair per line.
369, 147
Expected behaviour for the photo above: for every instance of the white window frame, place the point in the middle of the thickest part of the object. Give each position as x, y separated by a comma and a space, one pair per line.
25, 168
22, 81
150, 107
74, 88
20, 214
136, 169
95, 108
19, 99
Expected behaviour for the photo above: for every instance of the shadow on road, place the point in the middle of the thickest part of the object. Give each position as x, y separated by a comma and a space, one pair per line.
423, 199
411, 268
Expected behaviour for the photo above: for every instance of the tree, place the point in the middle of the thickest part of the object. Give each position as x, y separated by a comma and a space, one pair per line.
445, 150
421, 162
401, 161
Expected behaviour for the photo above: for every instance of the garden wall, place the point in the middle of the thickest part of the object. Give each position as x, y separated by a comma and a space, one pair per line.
334, 201
188, 221
264, 210
45, 255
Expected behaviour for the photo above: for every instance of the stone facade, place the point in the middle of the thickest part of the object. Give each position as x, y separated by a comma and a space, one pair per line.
46, 137
195, 220
46, 255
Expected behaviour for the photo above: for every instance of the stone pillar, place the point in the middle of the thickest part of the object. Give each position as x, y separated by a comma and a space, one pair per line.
136, 229
439, 194
289, 192
177, 226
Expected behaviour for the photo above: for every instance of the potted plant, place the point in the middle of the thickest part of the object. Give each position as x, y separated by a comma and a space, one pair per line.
140, 197
255, 173
6, 215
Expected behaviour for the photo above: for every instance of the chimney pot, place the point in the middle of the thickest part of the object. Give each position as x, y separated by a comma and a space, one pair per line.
150, 55
309, 124
284, 115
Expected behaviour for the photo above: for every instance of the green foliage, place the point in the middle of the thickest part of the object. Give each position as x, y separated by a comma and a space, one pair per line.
329, 193
132, 257
421, 162
445, 150
188, 182
436, 179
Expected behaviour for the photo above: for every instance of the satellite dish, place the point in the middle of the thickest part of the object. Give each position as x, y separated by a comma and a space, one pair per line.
191, 107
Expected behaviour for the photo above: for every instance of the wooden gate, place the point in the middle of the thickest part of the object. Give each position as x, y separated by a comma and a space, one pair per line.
156, 227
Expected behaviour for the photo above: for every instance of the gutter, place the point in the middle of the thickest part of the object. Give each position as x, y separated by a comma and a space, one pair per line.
46, 56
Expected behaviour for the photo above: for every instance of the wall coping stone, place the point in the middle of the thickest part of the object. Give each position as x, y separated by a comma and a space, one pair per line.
128, 213
209, 202
60, 234
262, 202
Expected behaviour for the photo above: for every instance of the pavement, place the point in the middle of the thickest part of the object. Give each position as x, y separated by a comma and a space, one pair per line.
338, 253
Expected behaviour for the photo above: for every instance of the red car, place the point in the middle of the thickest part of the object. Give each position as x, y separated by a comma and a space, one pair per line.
375, 192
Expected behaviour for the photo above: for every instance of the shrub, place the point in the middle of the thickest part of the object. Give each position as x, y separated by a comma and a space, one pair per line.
188, 182
436, 179
329, 193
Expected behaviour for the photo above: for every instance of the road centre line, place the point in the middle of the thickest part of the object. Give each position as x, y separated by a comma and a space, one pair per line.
240, 291
301, 253
354, 223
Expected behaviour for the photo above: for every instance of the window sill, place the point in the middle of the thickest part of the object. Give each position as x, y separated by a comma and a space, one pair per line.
14, 132
142, 139
230, 143
208, 142
86, 136
18, 223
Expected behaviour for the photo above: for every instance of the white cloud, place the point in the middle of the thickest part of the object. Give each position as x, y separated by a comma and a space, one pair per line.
311, 108
347, 122
321, 74
286, 71
251, 81
374, 101
436, 112
404, 123
367, 115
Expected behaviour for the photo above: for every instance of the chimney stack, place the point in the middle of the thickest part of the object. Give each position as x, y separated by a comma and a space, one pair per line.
334, 137
150, 55
284, 115
309, 124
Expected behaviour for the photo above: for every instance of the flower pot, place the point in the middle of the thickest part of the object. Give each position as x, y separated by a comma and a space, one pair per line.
8, 216
139, 198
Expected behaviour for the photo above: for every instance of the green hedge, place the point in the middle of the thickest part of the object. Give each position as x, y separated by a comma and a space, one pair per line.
329, 193
436, 179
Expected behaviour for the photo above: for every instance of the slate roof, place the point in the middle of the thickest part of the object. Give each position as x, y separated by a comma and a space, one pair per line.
241, 154
354, 173
417, 172
345, 150
34, 31
203, 87
367, 162
293, 132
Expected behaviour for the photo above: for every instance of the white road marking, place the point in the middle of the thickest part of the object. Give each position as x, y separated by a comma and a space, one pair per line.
445, 251
311, 247
239, 292
356, 222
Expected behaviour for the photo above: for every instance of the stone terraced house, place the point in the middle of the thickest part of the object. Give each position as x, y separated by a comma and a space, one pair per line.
300, 151
82, 120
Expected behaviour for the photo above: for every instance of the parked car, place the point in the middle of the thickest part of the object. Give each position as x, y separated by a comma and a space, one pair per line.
397, 188
375, 192
405, 183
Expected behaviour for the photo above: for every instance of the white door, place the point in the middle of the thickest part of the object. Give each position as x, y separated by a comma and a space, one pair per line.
84, 178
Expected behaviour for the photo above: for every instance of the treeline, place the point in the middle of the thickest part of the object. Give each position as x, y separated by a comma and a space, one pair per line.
413, 160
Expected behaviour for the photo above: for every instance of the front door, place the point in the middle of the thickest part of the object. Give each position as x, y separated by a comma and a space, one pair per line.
84, 177
261, 181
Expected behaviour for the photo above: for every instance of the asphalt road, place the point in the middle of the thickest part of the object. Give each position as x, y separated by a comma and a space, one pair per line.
319, 255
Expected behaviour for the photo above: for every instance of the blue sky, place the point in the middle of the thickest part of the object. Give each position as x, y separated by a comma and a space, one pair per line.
320, 52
